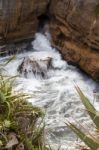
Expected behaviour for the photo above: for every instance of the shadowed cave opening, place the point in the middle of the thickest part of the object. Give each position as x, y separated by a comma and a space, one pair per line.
43, 20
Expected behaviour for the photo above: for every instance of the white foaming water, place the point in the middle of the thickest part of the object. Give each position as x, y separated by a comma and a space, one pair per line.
56, 95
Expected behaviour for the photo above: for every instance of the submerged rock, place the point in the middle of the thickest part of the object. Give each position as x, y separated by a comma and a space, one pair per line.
31, 67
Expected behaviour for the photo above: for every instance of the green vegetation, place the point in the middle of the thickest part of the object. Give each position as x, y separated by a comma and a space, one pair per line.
92, 141
21, 124
97, 10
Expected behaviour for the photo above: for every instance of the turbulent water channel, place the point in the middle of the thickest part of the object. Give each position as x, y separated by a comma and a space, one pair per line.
51, 81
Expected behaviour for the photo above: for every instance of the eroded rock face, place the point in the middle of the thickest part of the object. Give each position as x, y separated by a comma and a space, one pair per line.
74, 28
19, 18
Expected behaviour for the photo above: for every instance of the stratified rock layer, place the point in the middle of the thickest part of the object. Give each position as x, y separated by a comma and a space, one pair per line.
74, 28
19, 18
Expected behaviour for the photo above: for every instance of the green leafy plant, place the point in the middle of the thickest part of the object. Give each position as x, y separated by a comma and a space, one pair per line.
97, 9
90, 140
18, 116
21, 124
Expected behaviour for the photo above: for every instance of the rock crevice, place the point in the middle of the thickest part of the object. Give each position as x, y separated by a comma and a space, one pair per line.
74, 27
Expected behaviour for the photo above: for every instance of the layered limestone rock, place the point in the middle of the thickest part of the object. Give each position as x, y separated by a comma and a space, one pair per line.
19, 18
74, 28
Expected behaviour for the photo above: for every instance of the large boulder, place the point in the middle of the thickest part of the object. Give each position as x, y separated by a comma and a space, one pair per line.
74, 27
19, 19
31, 67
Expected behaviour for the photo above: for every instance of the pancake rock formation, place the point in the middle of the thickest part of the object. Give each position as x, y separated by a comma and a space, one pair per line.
74, 27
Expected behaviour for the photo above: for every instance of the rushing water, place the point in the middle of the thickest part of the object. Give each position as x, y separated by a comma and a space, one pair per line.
56, 93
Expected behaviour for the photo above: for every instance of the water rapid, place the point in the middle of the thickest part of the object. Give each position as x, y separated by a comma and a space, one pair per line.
52, 85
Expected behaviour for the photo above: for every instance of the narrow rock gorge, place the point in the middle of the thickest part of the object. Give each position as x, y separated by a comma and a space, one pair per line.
49, 56
73, 24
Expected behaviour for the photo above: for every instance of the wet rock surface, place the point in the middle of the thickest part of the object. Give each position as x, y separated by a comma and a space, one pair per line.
38, 68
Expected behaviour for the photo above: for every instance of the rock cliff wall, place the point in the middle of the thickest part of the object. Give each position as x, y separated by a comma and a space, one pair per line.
19, 18
74, 26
